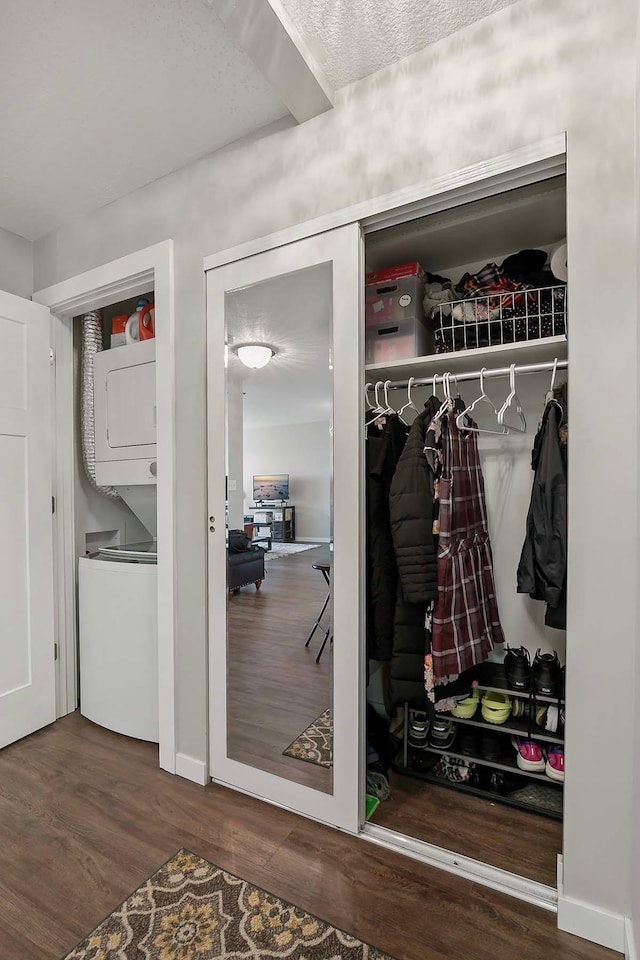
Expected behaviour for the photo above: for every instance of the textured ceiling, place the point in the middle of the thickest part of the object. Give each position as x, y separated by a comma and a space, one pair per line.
354, 38
97, 99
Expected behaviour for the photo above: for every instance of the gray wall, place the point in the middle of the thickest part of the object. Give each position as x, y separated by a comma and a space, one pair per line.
533, 70
303, 450
635, 797
16, 264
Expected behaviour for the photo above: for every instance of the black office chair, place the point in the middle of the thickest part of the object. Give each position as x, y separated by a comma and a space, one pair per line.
324, 568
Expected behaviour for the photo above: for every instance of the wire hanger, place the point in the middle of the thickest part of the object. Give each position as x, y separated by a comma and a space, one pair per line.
550, 395
483, 398
447, 403
379, 410
387, 402
513, 396
409, 402
367, 387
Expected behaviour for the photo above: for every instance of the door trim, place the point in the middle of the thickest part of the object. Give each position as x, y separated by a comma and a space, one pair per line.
530, 164
126, 277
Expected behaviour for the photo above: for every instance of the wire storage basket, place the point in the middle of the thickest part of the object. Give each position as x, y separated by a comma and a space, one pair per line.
487, 321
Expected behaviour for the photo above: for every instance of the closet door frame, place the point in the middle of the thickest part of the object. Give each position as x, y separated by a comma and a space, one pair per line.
343, 248
539, 161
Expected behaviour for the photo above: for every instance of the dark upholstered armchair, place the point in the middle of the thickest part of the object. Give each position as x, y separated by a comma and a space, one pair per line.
245, 568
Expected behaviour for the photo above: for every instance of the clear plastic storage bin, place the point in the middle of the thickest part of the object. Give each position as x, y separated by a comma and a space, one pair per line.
395, 325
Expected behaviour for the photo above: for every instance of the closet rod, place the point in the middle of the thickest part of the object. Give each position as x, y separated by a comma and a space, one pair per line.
475, 374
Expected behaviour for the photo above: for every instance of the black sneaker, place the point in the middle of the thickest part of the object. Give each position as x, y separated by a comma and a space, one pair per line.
517, 664
546, 673
491, 749
467, 745
502, 783
443, 733
418, 730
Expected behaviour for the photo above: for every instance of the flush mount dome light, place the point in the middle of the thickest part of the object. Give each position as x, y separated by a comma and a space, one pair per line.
255, 355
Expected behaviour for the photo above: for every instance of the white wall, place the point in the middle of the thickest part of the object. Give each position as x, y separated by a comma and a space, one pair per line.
235, 454
16, 264
533, 70
303, 450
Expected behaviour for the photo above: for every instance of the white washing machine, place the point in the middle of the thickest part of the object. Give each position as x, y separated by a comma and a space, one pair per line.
118, 586
118, 628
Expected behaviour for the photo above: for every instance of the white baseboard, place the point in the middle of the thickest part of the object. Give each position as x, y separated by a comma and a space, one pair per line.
191, 769
313, 540
591, 923
630, 951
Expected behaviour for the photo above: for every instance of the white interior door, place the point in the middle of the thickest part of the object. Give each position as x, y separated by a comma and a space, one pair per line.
27, 669
298, 416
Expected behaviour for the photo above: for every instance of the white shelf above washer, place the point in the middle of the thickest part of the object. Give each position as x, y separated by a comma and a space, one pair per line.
462, 361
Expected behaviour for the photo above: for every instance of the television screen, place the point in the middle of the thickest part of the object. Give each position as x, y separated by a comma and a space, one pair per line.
275, 487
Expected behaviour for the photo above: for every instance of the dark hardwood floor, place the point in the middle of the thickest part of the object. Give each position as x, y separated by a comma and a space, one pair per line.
505, 837
86, 816
275, 687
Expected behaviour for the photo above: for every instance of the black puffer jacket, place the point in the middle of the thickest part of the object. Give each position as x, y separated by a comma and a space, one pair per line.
383, 451
543, 562
411, 509
410, 643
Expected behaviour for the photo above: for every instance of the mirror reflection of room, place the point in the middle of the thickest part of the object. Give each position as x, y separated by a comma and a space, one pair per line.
279, 467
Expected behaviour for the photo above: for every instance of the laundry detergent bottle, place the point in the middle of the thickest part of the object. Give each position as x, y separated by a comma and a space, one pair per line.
132, 329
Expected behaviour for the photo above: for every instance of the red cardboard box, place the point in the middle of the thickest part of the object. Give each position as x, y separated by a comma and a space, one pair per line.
396, 273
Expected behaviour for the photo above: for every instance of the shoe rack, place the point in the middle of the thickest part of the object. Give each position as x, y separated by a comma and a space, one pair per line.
527, 790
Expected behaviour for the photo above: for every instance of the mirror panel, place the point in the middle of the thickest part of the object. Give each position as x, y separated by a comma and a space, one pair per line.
279, 468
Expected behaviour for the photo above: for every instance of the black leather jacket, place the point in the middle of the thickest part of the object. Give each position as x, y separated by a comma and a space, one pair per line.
543, 562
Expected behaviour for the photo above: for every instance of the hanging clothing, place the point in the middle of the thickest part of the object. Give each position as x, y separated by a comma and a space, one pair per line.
466, 624
411, 511
542, 569
384, 446
410, 640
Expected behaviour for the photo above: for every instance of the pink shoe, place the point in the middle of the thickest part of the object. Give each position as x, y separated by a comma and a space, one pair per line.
555, 763
530, 755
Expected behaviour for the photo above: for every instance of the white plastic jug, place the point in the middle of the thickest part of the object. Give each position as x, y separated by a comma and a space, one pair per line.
132, 329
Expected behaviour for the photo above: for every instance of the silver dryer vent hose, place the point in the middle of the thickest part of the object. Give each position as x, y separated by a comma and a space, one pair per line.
90, 344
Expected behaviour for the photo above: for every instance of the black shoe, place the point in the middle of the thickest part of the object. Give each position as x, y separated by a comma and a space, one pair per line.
517, 664
491, 749
467, 745
418, 730
546, 673
501, 783
443, 733
479, 778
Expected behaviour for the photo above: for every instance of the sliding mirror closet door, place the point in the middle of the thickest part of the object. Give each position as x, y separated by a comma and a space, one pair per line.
284, 525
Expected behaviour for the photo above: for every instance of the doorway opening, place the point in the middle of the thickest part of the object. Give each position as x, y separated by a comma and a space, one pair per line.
112, 402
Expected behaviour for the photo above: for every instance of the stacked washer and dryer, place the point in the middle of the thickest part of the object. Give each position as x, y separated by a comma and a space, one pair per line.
117, 585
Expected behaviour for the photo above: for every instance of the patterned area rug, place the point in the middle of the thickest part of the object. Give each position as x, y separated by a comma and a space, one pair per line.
191, 910
279, 550
315, 744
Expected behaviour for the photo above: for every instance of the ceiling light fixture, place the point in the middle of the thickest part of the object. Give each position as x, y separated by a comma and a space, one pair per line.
255, 355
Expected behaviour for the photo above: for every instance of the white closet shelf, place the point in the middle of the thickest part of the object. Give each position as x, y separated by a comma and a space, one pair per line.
502, 355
